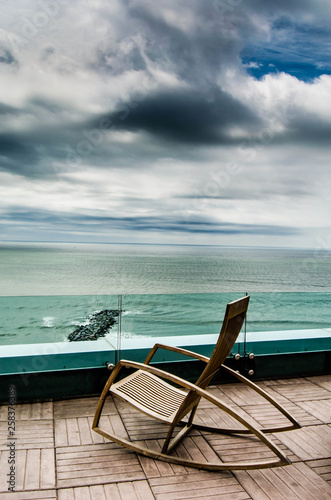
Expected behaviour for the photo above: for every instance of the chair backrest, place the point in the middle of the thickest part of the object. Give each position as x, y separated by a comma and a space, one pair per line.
234, 317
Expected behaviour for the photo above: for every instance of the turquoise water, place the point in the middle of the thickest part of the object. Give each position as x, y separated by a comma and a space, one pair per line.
53, 318
48, 290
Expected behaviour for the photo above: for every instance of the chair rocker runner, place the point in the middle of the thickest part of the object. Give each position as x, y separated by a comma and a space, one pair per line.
146, 390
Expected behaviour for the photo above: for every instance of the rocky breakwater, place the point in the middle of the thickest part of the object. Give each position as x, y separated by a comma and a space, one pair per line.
97, 326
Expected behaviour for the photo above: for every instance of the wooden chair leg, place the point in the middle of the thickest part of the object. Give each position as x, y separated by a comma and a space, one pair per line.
169, 444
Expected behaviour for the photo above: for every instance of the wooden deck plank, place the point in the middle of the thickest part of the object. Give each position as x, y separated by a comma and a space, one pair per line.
47, 469
322, 468
101, 479
72, 471
21, 463
143, 490
73, 432
200, 485
30, 495
319, 409
23, 412
85, 464
268, 416
36, 411
112, 492
274, 484
78, 431
137, 490
84, 451
240, 394
97, 492
61, 435
139, 426
85, 431
284, 381
296, 478
32, 472
81, 407
219, 391
306, 391
126, 491
241, 448
66, 494
201, 450
166, 468
215, 417
114, 425
268, 483
29, 411
321, 380
102, 467
236, 493
4, 469
251, 486
154, 468
196, 476
282, 485
307, 443
29, 434
82, 493
320, 438
212, 494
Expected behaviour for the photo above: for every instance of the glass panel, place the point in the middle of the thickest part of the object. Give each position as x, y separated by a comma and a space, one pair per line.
288, 311
44, 319
173, 315
30, 320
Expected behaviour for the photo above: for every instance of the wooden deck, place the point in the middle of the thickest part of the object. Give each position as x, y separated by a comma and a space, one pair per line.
58, 456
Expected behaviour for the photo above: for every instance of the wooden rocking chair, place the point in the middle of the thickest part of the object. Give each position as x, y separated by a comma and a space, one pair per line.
147, 391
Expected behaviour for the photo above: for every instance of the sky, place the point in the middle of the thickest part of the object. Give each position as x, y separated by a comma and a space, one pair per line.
169, 121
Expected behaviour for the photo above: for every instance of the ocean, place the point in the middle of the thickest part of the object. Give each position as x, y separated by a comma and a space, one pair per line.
49, 289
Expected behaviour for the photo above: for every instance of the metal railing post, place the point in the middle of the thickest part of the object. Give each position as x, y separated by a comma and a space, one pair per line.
118, 347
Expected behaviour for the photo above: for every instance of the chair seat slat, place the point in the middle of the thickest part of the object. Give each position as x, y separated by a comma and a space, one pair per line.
145, 391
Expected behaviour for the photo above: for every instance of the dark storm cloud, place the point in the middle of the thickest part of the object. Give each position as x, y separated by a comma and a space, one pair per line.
5, 109
196, 53
309, 130
185, 116
16, 149
104, 224
37, 104
6, 57
256, 192
26, 155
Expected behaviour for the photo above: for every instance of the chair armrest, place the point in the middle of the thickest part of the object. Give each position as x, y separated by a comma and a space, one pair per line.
124, 363
179, 350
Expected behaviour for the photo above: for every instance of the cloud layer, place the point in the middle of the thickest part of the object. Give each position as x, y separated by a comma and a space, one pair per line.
170, 122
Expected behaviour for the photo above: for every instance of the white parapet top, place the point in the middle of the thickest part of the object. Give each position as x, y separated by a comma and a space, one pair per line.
105, 344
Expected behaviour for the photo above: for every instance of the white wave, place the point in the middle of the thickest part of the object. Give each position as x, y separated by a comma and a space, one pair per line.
126, 313
48, 321
128, 335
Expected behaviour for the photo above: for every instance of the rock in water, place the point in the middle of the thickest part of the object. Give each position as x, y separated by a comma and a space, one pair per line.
99, 324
